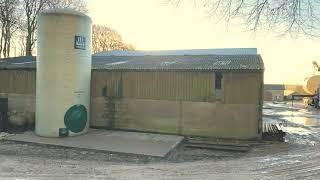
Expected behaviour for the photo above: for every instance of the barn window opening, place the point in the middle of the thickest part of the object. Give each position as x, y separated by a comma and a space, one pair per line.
218, 81
218, 85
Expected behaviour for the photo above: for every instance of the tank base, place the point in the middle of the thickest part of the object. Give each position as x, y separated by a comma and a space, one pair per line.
60, 134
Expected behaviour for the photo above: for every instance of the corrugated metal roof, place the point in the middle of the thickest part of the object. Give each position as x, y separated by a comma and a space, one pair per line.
221, 51
188, 62
18, 62
194, 62
274, 87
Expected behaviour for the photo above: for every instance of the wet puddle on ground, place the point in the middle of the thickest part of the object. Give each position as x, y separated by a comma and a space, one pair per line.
302, 124
305, 121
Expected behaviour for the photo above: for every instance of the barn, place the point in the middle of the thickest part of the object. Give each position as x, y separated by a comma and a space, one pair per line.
274, 92
211, 95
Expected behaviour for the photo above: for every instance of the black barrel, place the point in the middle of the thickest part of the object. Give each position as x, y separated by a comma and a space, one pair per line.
3, 114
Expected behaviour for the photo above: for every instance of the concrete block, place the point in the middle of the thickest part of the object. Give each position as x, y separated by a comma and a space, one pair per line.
110, 141
98, 114
149, 115
238, 121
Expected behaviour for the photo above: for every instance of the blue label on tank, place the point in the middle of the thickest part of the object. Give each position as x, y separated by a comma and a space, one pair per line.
80, 42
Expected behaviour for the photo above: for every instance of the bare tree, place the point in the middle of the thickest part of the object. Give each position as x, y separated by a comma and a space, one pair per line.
33, 7
78, 5
8, 21
282, 16
106, 39
20, 43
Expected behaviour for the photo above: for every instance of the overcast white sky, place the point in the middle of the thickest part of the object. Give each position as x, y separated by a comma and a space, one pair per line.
157, 25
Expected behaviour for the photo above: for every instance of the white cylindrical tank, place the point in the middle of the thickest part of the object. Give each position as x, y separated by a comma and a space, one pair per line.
63, 73
311, 84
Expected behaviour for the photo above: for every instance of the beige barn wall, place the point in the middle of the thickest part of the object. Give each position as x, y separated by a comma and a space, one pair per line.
237, 115
211, 119
267, 96
167, 102
238, 121
21, 107
191, 86
271, 95
19, 86
18, 81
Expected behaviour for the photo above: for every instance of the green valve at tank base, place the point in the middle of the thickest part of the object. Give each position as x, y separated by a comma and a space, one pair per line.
75, 119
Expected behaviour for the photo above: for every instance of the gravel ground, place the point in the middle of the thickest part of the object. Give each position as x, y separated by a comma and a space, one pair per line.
297, 158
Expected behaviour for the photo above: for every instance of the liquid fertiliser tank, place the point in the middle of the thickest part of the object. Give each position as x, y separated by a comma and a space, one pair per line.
311, 84
63, 73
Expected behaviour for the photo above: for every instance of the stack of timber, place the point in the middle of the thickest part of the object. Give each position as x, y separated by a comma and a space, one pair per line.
272, 132
223, 146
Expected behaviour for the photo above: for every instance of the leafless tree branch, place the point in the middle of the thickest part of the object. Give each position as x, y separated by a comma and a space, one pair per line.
281, 16
8, 21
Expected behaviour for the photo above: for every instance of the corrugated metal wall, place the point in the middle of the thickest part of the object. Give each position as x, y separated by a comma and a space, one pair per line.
188, 86
242, 88
191, 86
18, 81
191, 109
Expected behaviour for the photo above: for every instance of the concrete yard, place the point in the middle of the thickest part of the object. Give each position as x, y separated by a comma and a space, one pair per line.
297, 158
110, 141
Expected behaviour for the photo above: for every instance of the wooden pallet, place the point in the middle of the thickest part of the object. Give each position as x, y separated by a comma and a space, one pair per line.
217, 146
272, 132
